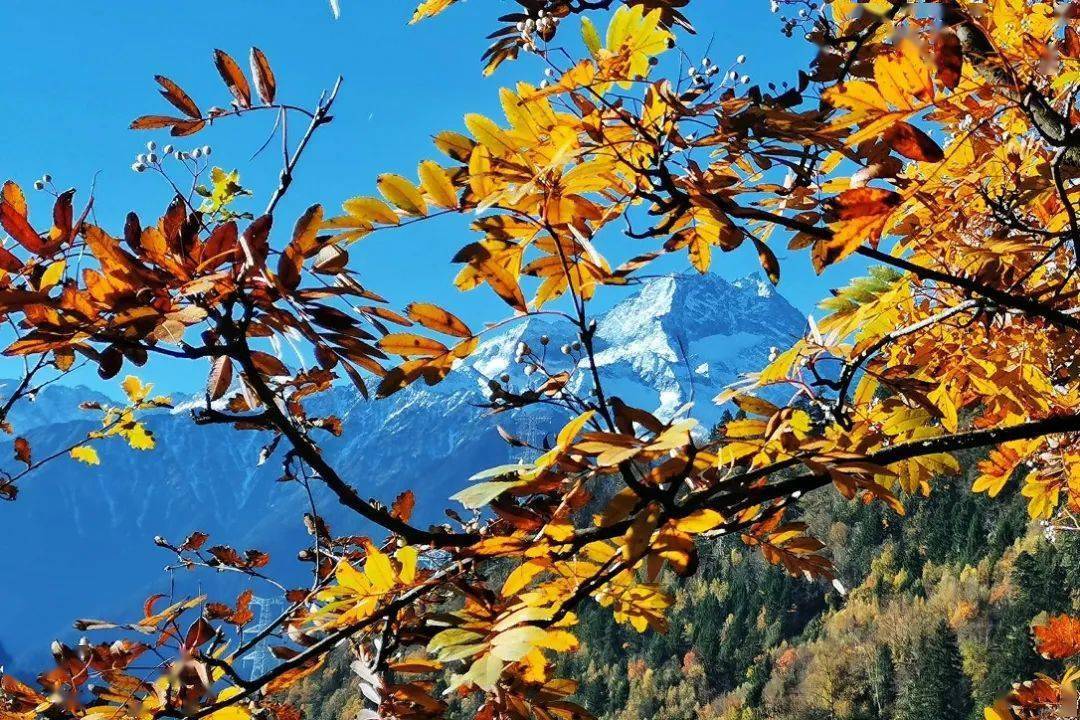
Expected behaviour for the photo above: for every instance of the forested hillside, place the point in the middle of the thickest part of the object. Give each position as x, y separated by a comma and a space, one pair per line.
933, 622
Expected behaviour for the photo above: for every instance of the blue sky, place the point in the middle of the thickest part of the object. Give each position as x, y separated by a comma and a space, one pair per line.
78, 72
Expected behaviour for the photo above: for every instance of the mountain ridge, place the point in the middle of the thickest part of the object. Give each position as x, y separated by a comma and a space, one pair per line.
675, 340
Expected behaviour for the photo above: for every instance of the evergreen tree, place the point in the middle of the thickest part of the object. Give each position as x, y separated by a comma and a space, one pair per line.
937, 687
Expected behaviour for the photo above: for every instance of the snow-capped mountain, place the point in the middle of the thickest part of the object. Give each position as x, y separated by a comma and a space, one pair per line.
78, 542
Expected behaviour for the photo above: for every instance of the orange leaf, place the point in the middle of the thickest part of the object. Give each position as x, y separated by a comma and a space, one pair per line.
403, 506
18, 227
435, 318
233, 77
913, 143
177, 97
410, 345
1058, 638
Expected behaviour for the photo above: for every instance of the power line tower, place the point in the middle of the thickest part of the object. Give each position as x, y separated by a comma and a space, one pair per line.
259, 660
531, 432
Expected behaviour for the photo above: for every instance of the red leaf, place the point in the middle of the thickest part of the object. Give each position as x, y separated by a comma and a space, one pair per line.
198, 633
9, 262
18, 227
194, 541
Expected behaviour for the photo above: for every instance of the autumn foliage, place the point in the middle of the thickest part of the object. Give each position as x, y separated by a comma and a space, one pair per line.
939, 145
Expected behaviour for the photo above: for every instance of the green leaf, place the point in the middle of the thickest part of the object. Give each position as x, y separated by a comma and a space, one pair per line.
500, 470
590, 36
480, 494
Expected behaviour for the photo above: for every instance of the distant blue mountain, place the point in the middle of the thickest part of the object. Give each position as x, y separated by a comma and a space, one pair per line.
79, 540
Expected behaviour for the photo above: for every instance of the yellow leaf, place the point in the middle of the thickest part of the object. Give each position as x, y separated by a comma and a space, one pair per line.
135, 389
52, 275
411, 345
85, 454
513, 644
489, 134
232, 712
699, 521
379, 570
369, 209
139, 438
437, 185
572, 428
590, 36
402, 193
435, 318
430, 8
407, 556
520, 576
1042, 496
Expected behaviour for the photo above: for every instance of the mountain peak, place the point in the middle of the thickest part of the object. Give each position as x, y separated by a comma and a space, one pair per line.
695, 305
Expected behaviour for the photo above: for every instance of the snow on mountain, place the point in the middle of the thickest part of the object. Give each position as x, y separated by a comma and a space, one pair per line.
683, 339
84, 535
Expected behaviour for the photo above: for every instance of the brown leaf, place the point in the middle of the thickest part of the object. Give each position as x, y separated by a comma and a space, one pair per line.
133, 232
913, 143
256, 240
1071, 46
265, 83
22, 450
187, 127
354, 376
177, 97
949, 58
249, 560
154, 122
220, 379
221, 246
63, 216
268, 365
195, 541
233, 77
768, 260
864, 202
304, 243
110, 362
